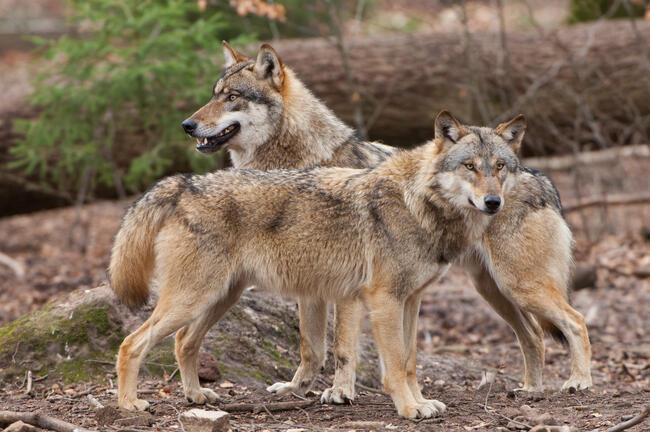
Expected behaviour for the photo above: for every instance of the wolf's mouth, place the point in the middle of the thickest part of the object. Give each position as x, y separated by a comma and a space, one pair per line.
217, 142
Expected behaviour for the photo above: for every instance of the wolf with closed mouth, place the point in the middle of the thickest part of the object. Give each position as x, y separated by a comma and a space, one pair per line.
377, 235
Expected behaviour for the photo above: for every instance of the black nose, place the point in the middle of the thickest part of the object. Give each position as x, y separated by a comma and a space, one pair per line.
492, 202
189, 126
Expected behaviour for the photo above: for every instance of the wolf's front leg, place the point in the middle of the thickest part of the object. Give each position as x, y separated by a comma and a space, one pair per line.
411, 313
387, 314
346, 341
313, 327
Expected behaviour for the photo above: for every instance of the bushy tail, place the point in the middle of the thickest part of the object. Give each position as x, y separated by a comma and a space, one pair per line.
133, 255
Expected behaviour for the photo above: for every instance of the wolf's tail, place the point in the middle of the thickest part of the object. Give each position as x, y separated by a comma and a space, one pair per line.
133, 255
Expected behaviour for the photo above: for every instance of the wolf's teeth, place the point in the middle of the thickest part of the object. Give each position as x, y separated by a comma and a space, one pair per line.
205, 140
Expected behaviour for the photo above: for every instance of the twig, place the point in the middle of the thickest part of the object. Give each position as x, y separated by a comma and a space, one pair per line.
298, 396
275, 406
632, 422
180, 422
85, 392
40, 420
504, 417
28, 390
172, 375
13, 357
94, 402
371, 389
14, 265
44, 377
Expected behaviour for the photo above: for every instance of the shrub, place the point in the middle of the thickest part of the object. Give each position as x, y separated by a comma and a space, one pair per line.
111, 101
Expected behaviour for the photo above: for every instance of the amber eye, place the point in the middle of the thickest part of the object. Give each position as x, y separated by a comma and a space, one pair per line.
232, 97
469, 166
500, 166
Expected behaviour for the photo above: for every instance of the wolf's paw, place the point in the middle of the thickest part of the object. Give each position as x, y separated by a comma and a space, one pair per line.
337, 396
283, 388
429, 409
573, 384
134, 404
529, 389
201, 396
436, 405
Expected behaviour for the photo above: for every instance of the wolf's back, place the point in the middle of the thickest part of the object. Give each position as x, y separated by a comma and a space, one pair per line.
133, 254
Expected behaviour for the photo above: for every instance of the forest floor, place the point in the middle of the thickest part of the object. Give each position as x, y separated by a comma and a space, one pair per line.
460, 339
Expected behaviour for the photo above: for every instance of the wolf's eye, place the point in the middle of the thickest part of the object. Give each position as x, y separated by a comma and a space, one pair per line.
469, 166
500, 166
232, 97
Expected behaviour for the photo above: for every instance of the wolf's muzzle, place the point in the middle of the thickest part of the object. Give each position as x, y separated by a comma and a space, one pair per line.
492, 203
189, 126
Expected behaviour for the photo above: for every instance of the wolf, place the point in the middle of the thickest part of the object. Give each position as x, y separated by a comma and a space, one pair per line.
266, 118
380, 235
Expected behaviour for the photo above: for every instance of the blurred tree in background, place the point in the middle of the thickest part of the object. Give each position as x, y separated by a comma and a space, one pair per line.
111, 101
591, 10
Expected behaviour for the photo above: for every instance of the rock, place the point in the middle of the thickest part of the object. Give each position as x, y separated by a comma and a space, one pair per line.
208, 367
111, 415
544, 428
515, 426
136, 419
19, 426
199, 420
535, 417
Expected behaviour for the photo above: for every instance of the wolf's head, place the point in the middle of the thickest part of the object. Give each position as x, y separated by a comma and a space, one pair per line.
246, 107
476, 166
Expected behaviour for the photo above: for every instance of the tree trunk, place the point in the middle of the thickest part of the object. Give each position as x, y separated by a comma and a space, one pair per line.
584, 86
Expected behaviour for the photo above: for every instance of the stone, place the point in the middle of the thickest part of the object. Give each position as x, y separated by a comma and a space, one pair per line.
208, 367
199, 420
19, 426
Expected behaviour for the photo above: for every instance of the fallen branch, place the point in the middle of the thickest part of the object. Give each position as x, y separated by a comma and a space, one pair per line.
14, 265
273, 406
632, 422
28, 390
40, 420
610, 200
561, 163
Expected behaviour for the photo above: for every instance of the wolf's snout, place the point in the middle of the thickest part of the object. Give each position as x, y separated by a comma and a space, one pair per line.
492, 203
189, 126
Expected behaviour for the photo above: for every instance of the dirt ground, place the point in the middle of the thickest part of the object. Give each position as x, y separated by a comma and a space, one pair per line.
460, 340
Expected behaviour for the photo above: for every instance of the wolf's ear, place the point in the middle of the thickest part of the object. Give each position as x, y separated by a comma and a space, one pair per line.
269, 66
231, 56
513, 132
448, 128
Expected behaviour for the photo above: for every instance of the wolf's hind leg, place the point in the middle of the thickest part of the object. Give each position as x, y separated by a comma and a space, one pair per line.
170, 314
411, 313
188, 344
551, 306
347, 328
528, 332
313, 328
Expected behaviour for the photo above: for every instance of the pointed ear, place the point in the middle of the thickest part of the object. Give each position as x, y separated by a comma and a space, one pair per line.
448, 128
269, 66
231, 56
513, 131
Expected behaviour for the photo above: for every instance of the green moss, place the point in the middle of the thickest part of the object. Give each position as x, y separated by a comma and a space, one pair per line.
41, 338
275, 354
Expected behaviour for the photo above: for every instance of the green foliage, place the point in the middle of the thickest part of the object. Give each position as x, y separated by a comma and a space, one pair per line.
114, 98
590, 10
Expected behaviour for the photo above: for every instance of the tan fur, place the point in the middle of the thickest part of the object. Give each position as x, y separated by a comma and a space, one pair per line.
334, 234
308, 133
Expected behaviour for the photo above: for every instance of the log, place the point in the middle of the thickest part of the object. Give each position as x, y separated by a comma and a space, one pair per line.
40, 420
586, 85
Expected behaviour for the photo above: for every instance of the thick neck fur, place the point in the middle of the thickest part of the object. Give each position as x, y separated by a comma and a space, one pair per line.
415, 171
308, 135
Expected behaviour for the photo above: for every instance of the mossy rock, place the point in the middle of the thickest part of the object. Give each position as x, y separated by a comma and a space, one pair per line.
76, 338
